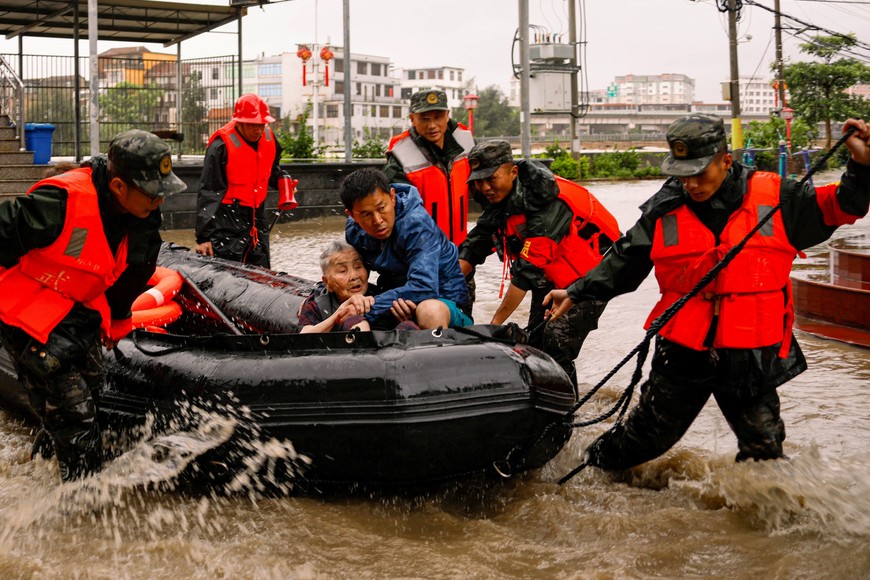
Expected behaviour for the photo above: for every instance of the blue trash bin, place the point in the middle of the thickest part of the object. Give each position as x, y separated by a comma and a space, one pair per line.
37, 138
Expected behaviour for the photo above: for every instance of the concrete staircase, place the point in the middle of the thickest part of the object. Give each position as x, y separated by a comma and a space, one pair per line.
17, 170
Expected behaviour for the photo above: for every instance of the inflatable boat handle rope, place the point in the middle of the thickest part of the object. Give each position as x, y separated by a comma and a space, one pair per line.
643, 348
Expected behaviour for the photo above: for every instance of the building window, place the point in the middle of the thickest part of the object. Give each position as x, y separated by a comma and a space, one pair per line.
215, 73
248, 71
213, 93
441, 75
376, 69
431, 74
397, 112
270, 90
339, 65
269, 69
459, 76
362, 68
358, 88
377, 90
452, 74
332, 111
373, 111
385, 111
339, 87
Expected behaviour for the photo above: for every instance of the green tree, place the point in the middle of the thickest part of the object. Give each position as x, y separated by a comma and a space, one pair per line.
300, 146
817, 88
372, 148
768, 134
622, 164
59, 110
194, 111
129, 106
494, 117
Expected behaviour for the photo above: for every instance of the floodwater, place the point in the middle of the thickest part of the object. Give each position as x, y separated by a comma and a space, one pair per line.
692, 513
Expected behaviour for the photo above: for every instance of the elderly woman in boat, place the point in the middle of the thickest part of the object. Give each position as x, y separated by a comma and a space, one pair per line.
343, 296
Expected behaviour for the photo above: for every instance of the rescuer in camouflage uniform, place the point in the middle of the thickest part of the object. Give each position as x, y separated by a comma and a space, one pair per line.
527, 194
734, 340
78, 249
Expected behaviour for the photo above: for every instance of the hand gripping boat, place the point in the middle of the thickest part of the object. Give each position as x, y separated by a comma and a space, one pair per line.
372, 408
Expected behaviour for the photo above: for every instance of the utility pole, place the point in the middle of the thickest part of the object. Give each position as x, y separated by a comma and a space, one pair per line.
575, 102
780, 80
525, 106
736, 127
348, 109
94, 71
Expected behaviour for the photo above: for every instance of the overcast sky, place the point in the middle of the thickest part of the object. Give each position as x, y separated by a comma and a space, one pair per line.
639, 37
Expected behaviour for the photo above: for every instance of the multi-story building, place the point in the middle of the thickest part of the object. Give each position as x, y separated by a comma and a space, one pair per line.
449, 79
859, 90
128, 65
377, 106
757, 97
662, 89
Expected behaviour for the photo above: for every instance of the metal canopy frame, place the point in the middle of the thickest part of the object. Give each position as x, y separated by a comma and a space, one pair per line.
136, 21
148, 21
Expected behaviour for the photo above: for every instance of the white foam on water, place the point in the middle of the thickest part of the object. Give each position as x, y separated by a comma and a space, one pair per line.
808, 493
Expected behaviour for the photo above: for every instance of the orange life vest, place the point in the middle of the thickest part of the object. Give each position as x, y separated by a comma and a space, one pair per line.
578, 251
444, 197
751, 296
248, 169
43, 287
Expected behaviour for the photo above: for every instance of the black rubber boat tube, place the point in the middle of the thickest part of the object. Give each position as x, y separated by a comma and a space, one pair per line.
232, 326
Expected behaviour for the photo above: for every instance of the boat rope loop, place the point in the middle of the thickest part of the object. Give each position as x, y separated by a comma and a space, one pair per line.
642, 349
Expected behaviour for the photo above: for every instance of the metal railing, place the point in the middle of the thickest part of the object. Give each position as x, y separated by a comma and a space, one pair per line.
12, 97
137, 91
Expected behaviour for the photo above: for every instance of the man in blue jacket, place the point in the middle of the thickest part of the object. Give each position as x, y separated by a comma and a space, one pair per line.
418, 267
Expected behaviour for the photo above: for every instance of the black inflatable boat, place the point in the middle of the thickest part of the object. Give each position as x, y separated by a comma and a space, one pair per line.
384, 408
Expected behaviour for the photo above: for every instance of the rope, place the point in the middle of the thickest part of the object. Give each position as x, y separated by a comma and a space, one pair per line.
659, 323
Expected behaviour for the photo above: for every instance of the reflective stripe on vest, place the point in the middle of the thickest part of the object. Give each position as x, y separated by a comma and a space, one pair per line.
751, 296
446, 200
248, 169
79, 266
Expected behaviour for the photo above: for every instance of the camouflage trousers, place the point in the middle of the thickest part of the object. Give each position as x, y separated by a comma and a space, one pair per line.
563, 338
63, 378
666, 409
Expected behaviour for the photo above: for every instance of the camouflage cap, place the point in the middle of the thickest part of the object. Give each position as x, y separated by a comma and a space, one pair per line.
430, 100
694, 140
485, 158
145, 160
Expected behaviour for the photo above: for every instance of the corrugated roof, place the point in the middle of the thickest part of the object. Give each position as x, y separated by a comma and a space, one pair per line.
122, 20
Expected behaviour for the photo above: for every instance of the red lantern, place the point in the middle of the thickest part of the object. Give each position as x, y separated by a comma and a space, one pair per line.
326, 55
304, 53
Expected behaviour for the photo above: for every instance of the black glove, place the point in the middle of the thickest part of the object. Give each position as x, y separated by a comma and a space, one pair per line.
515, 333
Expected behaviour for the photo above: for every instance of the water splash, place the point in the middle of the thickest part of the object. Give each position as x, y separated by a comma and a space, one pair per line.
136, 494
806, 494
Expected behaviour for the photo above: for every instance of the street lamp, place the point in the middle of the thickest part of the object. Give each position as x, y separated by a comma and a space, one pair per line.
787, 115
469, 101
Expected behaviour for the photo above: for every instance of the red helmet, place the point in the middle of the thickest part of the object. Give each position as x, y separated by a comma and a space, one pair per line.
252, 109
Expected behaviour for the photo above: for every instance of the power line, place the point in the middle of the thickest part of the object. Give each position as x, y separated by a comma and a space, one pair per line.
837, 1
808, 26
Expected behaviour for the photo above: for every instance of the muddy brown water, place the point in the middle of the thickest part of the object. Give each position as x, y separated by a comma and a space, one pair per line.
691, 513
